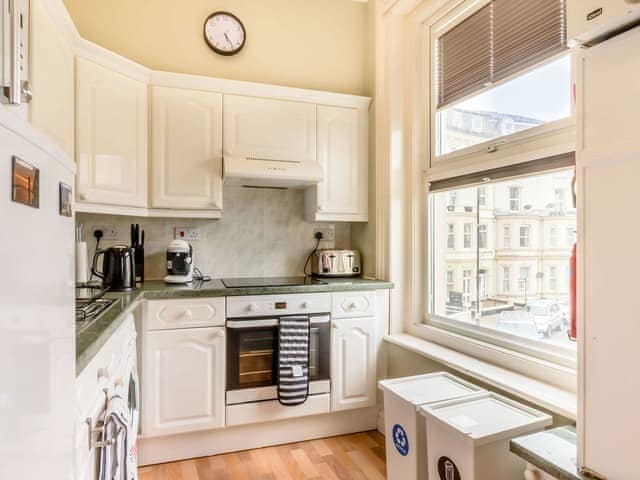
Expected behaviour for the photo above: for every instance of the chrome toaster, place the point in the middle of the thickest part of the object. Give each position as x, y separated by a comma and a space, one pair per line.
336, 263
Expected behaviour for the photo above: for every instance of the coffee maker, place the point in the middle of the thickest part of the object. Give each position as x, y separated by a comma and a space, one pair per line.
179, 262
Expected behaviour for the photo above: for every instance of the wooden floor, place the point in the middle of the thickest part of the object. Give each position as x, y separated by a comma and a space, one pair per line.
349, 457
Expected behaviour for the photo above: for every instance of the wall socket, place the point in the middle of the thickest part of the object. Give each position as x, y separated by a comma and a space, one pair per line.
188, 234
109, 231
328, 233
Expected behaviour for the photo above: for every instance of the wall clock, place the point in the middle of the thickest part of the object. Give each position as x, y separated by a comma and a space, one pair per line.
224, 33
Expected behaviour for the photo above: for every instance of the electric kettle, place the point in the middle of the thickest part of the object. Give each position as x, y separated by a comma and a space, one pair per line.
118, 268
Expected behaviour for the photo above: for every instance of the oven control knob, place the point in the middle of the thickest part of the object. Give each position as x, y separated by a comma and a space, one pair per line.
252, 307
304, 305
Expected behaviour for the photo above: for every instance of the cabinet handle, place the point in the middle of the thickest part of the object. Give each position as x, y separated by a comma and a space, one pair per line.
320, 208
27, 91
335, 325
352, 306
215, 205
83, 196
187, 313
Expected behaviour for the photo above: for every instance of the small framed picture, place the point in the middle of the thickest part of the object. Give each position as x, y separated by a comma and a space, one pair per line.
65, 200
25, 183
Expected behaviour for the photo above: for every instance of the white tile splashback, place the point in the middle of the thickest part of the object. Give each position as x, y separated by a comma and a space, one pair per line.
261, 233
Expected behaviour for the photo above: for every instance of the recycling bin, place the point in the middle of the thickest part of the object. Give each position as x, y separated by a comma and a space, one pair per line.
404, 428
469, 438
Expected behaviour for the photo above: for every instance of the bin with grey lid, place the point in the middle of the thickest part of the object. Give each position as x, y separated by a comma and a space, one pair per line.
404, 428
468, 439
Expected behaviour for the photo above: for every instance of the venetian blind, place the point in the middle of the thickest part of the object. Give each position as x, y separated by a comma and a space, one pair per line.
502, 38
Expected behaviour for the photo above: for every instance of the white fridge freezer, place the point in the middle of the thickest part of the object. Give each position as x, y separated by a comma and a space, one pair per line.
608, 167
37, 341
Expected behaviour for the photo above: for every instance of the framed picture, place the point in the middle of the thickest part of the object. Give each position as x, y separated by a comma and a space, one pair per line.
65, 200
25, 180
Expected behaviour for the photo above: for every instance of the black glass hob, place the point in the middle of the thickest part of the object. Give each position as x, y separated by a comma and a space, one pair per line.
270, 282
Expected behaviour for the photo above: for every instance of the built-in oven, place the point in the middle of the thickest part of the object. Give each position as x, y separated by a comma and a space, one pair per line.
252, 357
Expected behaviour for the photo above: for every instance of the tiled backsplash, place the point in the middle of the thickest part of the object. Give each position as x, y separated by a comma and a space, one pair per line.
262, 233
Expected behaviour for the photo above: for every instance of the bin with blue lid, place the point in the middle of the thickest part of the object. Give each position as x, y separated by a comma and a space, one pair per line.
405, 434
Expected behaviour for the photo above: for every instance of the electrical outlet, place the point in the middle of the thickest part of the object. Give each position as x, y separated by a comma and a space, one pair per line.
328, 233
109, 231
189, 234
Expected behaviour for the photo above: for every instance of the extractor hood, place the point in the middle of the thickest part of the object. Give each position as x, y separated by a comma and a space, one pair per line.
258, 172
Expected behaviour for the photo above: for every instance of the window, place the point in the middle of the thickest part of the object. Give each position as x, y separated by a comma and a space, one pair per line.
451, 236
525, 273
468, 233
506, 236
482, 236
466, 286
482, 304
571, 235
453, 199
485, 61
482, 196
558, 206
506, 279
514, 199
553, 236
553, 281
524, 236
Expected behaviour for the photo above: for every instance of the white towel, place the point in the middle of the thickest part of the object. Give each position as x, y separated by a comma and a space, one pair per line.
114, 463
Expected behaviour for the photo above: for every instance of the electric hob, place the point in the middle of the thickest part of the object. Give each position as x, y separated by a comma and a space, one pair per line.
270, 282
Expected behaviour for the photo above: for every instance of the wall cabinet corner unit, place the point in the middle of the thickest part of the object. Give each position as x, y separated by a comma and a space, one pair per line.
353, 363
186, 149
342, 153
111, 136
183, 381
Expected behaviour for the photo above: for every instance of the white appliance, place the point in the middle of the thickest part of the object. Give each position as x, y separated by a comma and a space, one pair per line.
179, 262
37, 338
258, 172
591, 21
14, 48
608, 168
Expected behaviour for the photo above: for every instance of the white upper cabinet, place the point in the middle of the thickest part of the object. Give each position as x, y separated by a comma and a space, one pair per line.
183, 381
111, 131
52, 77
186, 149
267, 129
353, 363
342, 154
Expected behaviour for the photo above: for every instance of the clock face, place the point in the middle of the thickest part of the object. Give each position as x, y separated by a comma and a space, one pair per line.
224, 33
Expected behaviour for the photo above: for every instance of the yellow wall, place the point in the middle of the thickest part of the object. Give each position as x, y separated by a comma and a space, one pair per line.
317, 44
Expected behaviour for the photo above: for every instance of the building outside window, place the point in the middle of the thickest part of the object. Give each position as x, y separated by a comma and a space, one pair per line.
506, 236
558, 205
514, 199
468, 234
506, 279
453, 199
466, 286
482, 236
571, 231
525, 230
449, 284
451, 236
524, 278
482, 196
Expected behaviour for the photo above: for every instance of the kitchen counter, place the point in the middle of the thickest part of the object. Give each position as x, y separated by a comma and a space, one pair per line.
90, 340
552, 451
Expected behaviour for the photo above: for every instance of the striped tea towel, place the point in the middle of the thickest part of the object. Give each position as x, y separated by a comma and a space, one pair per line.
293, 368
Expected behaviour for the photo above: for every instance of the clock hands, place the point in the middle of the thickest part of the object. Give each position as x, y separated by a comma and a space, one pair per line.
228, 39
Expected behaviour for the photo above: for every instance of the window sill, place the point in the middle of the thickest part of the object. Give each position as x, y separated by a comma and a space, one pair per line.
549, 397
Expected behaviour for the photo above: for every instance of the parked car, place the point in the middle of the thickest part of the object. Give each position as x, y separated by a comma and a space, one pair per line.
518, 323
547, 316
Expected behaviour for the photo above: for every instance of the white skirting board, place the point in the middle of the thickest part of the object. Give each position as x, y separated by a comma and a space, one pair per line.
233, 439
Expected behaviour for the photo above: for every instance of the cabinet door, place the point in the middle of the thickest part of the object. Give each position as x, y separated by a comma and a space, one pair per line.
186, 149
52, 77
344, 188
111, 129
353, 363
183, 381
265, 129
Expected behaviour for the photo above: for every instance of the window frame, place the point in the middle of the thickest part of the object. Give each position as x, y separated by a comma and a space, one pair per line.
524, 227
481, 151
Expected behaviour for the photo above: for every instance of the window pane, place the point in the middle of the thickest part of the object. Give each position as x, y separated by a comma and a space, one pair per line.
519, 287
539, 96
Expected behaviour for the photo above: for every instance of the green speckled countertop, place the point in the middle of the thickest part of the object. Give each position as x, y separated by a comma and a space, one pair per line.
552, 451
90, 340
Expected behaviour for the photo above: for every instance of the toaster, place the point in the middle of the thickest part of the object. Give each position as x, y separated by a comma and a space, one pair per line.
336, 263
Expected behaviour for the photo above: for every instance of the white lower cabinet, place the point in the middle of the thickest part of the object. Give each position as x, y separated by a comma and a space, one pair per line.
183, 383
353, 363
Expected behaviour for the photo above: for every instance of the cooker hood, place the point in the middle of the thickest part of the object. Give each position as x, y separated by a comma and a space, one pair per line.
258, 172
